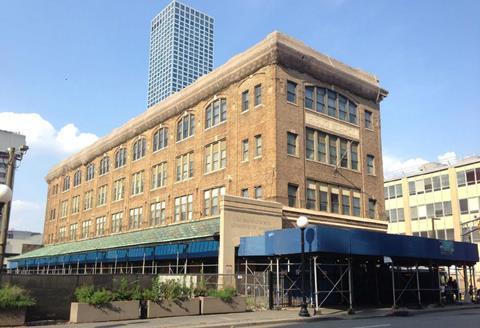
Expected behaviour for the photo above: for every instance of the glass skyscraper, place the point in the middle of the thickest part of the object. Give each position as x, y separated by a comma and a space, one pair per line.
181, 50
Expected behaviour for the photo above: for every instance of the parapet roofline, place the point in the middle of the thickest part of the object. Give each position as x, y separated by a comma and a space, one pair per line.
276, 48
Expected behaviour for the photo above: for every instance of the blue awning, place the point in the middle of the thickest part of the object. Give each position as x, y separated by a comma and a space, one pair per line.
356, 242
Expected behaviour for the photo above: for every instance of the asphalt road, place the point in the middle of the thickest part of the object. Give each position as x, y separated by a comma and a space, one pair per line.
451, 319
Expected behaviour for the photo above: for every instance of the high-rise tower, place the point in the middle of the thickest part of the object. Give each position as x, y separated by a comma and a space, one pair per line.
181, 50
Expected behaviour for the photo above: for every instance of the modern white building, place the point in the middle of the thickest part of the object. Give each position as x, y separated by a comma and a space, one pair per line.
181, 50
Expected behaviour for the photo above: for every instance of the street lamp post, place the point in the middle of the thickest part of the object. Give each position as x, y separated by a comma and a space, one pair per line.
302, 223
5, 198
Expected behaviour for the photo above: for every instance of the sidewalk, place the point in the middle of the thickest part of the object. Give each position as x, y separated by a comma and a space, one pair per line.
262, 318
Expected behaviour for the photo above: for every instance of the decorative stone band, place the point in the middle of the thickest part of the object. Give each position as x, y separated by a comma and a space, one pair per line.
276, 48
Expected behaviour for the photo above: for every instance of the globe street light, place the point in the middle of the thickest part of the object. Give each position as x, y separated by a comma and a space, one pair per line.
302, 223
5, 194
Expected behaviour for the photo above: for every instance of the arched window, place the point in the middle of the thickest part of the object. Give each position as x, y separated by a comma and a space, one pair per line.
77, 178
186, 127
104, 165
216, 113
120, 157
66, 183
139, 148
90, 172
160, 139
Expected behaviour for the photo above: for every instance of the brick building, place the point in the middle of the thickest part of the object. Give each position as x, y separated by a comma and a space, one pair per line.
280, 129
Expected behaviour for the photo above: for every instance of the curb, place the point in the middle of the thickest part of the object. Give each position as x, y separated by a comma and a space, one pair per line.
402, 313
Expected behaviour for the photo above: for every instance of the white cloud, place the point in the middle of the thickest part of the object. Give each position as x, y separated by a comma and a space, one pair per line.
394, 165
41, 134
26, 216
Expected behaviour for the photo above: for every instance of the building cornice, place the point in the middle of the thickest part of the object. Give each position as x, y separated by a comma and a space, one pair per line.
276, 48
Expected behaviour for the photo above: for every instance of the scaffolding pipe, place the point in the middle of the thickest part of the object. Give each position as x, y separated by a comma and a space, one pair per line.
418, 286
246, 276
316, 283
143, 263
350, 287
466, 296
393, 287
278, 284
439, 286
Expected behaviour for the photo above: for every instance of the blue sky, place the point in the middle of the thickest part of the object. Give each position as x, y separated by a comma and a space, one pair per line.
74, 70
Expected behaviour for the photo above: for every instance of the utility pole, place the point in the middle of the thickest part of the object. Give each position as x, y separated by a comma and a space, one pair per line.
11, 164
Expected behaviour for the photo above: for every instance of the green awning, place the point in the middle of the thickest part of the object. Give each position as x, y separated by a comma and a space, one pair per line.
171, 233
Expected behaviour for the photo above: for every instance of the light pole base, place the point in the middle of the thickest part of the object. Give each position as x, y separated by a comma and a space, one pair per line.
303, 311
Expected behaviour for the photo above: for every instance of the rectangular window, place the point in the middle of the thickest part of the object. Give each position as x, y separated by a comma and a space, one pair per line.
332, 150
324, 198
463, 206
308, 102
258, 192
411, 187
461, 181
137, 183
321, 147
343, 153
352, 118
414, 213
368, 119
118, 189
354, 156
310, 144
62, 234
345, 203
445, 181
244, 192
428, 184
157, 213
88, 200
64, 209
292, 143
183, 208
75, 204
86, 229
245, 150
311, 202
447, 208
470, 177
400, 215
398, 190
320, 100
102, 195
245, 101
211, 201
116, 225
135, 218
436, 183
258, 94
371, 164
356, 204
100, 228
292, 92
258, 145
342, 108
332, 103
334, 201
159, 175
73, 232
215, 156
184, 166
438, 210
292, 195
372, 208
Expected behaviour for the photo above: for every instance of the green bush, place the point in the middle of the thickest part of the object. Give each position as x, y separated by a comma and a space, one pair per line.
15, 297
124, 292
170, 290
88, 294
225, 294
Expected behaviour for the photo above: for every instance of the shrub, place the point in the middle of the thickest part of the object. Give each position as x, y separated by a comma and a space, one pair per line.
170, 290
225, 294
88, 294
126, 293
15, 297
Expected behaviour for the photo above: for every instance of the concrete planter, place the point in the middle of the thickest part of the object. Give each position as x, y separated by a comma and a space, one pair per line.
12, 317
173, 308
212, 305
118, 310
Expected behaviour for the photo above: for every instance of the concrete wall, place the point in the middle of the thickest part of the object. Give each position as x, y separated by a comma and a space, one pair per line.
55, 292
243, 217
